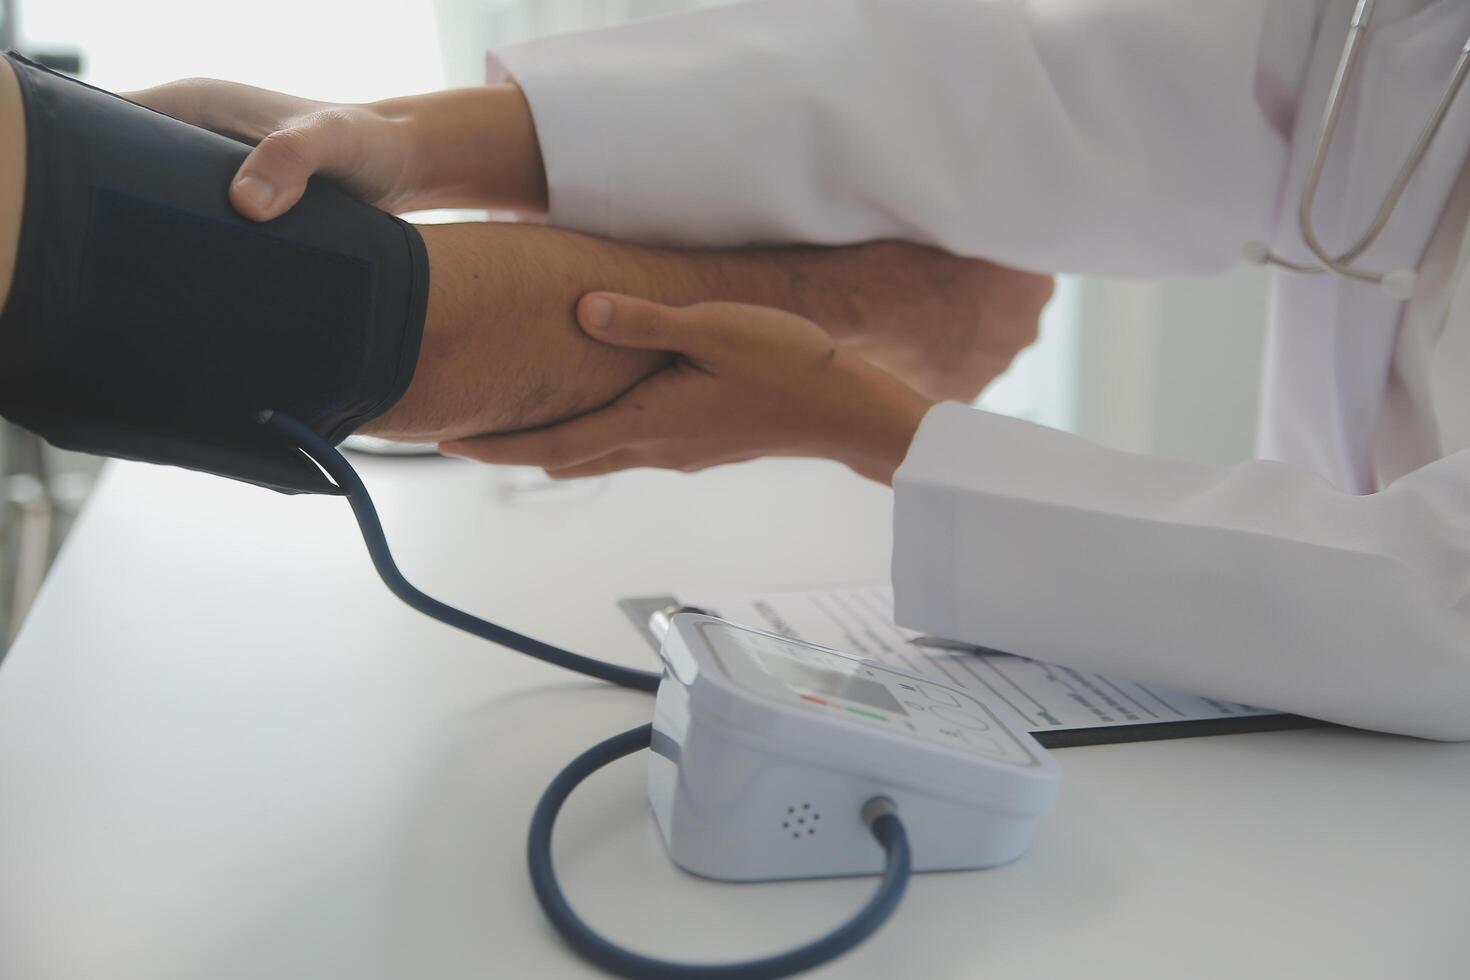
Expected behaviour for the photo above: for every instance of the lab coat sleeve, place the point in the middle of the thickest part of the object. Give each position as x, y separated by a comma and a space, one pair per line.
1091, 136
1259, 583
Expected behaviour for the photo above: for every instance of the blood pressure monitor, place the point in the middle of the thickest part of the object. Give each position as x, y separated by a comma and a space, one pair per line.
765, 750
769, 759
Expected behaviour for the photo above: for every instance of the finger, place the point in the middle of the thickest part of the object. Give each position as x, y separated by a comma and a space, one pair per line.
274, 175
558, 446
699, 332
630, 459
614, 462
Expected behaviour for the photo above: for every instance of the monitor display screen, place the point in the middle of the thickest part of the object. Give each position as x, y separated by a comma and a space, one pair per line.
802, 669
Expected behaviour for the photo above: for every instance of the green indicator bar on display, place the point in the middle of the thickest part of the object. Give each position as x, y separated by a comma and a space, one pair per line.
867, 714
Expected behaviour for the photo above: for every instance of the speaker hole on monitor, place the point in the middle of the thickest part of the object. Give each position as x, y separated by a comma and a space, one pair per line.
800, 818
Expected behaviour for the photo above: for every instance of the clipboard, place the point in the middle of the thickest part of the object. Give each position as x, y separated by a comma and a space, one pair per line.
641, 611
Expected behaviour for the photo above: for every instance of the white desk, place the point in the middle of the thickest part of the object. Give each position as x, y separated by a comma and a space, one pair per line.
227, 752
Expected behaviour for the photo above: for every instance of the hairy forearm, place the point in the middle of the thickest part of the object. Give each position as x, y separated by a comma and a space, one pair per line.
843, 289
502, 349
501, 346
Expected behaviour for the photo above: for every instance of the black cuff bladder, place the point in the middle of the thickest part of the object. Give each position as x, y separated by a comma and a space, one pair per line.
148, 320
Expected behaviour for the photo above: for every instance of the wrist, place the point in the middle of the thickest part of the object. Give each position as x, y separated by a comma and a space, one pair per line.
472, 148
877, 419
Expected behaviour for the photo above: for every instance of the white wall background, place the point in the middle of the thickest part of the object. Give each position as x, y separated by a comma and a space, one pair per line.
340, 50
1170, 368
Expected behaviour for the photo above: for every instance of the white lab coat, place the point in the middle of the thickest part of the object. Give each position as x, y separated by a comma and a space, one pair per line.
1120, 137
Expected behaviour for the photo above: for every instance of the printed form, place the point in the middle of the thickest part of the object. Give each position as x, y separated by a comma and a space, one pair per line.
1041, 697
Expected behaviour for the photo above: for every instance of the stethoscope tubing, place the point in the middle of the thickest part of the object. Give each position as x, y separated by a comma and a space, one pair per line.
1398, 283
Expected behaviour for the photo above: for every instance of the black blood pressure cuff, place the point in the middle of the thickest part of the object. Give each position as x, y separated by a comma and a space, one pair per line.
148, 320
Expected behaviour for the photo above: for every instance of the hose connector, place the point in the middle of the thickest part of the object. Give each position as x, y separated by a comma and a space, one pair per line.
878, 806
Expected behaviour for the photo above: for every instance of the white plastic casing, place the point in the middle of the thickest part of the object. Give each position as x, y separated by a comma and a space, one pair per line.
755, 776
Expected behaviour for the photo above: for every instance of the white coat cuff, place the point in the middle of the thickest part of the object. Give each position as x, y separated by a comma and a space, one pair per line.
571, 126
924, 526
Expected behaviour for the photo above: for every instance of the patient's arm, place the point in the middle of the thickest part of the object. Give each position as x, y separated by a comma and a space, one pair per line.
944, 325
501, 349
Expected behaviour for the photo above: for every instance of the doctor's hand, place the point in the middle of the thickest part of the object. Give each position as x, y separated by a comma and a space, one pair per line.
473, 148
747, 381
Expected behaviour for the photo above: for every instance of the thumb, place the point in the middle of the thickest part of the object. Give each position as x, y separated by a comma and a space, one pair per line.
624, 321
274, 175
